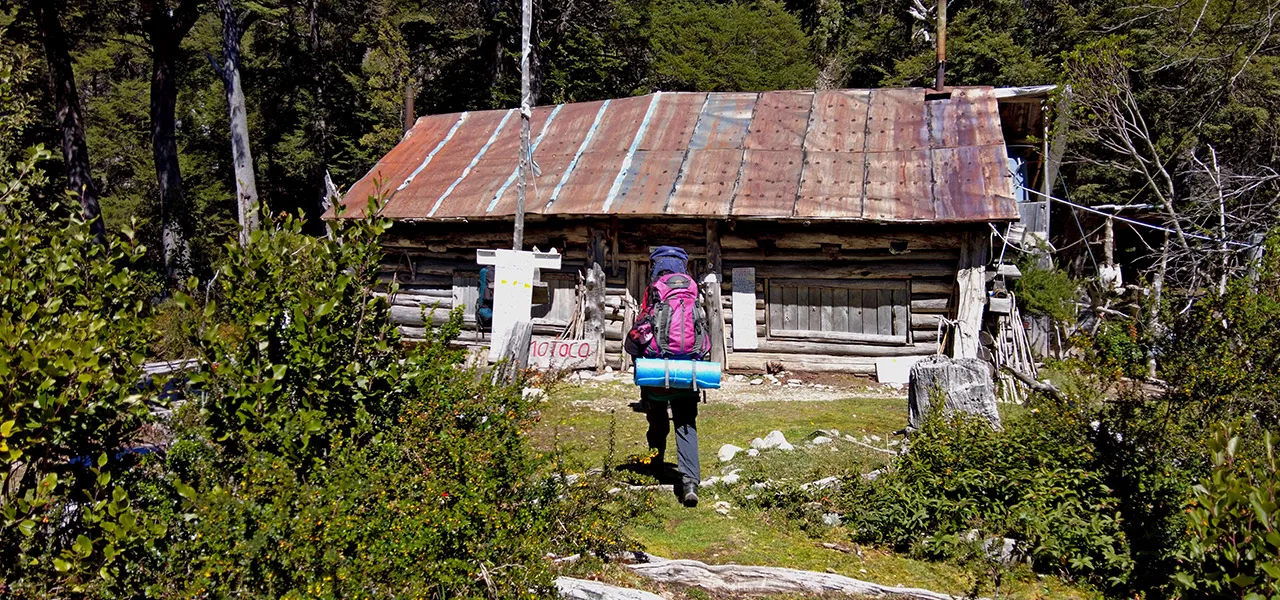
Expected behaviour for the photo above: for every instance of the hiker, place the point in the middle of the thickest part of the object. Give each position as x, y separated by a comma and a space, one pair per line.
484, 301
672, 324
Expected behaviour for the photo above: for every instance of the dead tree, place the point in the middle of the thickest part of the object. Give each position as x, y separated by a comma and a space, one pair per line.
233, 28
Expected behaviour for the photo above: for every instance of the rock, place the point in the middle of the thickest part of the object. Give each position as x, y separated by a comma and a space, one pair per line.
757, 444
760, 485
727, 452
731, 478
794, 382
875, 438
572, 478
533, 394
739, 377
820, 440
710, 481
608, 369
757, 382
775, 439
722, 507
753, 452
831, 520
826, 483
893, 443
965, 385
835, 433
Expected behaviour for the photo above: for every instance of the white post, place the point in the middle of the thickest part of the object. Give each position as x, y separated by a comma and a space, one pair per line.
513, 278
526, 113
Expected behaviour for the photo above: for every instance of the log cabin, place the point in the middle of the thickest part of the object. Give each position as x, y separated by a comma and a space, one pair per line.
830, 228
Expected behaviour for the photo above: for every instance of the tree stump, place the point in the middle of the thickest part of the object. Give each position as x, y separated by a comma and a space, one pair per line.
964, 384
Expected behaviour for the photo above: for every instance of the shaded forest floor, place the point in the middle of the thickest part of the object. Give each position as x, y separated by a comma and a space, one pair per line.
592, 423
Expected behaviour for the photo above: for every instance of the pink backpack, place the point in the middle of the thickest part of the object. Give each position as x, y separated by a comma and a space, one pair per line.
673, 323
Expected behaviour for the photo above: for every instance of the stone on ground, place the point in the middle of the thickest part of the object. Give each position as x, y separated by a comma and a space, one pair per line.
964, 384
727, 452
775, 439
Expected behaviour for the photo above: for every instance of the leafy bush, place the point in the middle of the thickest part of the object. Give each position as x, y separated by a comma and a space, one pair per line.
1222, 356
1234, 548
321, 457
1046, 291
73, 334
1032, 482
1116, 351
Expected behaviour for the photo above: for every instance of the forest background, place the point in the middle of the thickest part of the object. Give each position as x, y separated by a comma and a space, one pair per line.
331, 85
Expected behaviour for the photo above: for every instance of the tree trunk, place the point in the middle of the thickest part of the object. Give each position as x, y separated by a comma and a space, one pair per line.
1157, 296
165, 31
241, 156
70, 121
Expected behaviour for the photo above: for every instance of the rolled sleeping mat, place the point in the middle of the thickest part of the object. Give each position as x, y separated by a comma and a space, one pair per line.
677, 374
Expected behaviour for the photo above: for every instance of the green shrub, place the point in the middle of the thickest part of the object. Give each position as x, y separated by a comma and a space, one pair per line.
74, 330
320, 457
1234, 548
1221, 356
1050, 292
1117, 352
1032, 482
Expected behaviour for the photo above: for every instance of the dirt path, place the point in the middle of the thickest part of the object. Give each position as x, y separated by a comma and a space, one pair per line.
610, 390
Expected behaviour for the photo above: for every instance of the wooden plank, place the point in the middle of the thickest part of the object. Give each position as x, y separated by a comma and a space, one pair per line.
744, 309
829, 348
855, 311
712, 293
827, 321
971, 300
840, 310
884, 312
789, 307
815, 308
870, 304
776, 310
802, 307
841, 337
466, 290
932, 305
901, 312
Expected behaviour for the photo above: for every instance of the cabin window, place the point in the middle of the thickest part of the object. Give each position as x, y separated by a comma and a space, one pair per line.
868, 311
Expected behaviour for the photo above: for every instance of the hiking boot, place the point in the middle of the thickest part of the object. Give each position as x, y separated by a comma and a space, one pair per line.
689, 494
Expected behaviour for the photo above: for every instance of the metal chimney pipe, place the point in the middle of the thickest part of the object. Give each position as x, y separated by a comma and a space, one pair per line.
942, 45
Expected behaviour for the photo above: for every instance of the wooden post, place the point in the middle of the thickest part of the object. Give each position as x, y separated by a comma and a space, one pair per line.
526, 112
595, 321
593, 326
515, 353
713, 294
971, 282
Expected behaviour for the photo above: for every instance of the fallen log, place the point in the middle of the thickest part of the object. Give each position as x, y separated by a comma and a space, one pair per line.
583, 589
1044, 387
746, 579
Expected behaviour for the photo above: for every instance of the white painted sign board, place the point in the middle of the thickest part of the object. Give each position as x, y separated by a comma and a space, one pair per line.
546, 353
895, 369
514, 274
744, 309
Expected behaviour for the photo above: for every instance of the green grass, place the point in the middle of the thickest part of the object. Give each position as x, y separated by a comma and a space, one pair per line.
580, 418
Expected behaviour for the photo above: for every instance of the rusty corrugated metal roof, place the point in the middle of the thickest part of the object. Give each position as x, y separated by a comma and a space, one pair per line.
885, 155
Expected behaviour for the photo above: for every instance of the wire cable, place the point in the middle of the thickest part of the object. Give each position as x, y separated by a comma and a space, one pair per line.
1139, 223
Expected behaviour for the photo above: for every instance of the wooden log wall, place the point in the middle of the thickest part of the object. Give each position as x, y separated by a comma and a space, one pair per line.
425, 257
